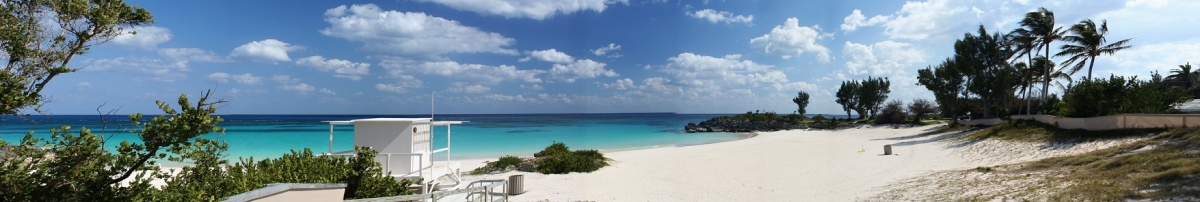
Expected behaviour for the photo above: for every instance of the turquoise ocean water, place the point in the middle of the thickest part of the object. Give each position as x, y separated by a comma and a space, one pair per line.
483, 136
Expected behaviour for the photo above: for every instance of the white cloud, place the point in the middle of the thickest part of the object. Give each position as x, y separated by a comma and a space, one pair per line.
918, 20
603, 50
159, 70
533, 87
856, 19
340, 68
580, 69
287, 83
284, 79
84, 85
714, 76
881, 59
142, 37
191, 54
479, 73
410, 34
657, 85
269, 50
1147, 3
327, 91
790, 40
797, 86
509, 98
247, 78
1141, 60
551, 55
621, 84
460, 87
532, 9
302, 88
714, 16
403, 85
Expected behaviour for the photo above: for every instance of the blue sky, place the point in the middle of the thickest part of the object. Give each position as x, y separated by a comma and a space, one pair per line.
560, 56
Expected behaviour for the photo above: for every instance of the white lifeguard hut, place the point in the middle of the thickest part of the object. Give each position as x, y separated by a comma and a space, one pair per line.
405, 147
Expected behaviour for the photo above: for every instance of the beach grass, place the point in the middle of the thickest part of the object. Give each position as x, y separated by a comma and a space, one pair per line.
1034, 131
1165, 166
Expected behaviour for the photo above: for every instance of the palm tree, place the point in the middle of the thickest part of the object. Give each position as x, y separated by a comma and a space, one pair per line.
1088, 42
1024, 43
1183, 75
1040, 24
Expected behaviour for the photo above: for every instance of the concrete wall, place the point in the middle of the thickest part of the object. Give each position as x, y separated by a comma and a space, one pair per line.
1111, 122
292, 192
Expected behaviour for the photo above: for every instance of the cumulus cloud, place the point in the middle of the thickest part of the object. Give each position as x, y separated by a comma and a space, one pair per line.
532, 9
142, 37
287, 83
714, 16
340, 68
401, 86
657, 85
856, 19
533, 87
707, 74
551, 55
191, 54
156, 69
881, 59
269, 50
410, 34
790, 40
460, 87
327, 91
603, 50
479, 73
247, 78
580, 69
302, 88
1151, 57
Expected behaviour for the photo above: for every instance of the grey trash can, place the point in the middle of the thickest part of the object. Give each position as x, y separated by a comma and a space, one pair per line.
516, 184
887, 149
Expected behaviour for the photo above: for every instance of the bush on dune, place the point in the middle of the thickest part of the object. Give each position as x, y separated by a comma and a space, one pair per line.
554, 159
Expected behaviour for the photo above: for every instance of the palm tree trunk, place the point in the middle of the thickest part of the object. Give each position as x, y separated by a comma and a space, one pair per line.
1046, 83
1028, 103
1093, 64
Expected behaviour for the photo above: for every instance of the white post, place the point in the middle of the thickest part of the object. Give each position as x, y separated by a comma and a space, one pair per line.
447, 145
330, 138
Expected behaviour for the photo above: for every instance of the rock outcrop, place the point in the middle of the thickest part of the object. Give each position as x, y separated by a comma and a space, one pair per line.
723, 124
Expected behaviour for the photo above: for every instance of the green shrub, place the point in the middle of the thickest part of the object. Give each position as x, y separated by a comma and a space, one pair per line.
508, 161
893, 112
1118, 95
558, 159
364, 178
556, 148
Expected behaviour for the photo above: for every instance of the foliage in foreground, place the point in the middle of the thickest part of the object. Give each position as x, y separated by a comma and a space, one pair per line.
362, 175
76, 166
39, 39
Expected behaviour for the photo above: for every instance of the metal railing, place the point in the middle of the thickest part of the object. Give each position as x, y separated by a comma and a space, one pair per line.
470, 191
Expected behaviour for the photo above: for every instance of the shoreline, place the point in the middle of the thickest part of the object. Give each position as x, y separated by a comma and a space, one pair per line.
469, 164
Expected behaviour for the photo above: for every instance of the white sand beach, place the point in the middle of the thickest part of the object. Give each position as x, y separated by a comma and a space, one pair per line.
796, 165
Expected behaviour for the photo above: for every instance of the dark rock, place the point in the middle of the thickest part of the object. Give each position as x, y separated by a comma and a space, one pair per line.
720, 124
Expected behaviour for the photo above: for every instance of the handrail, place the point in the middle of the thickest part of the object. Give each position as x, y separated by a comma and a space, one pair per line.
503, 184
440, 150
437, 195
